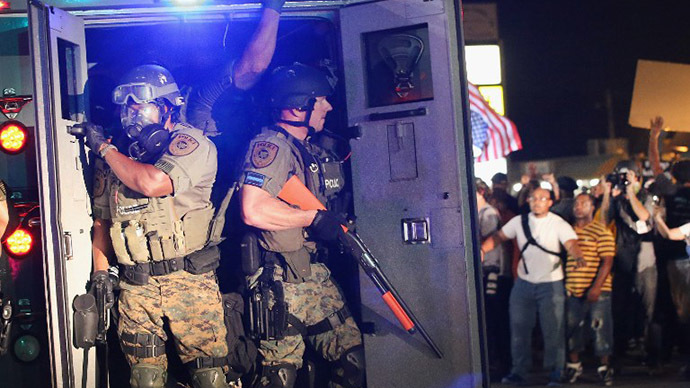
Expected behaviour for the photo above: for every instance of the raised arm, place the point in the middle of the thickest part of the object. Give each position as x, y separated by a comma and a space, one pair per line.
259, 52
655, 127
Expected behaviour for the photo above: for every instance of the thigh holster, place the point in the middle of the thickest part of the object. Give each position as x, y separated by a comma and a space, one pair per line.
142, 345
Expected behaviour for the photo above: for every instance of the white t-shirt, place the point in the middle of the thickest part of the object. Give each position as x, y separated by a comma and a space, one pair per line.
685, 229
548, 231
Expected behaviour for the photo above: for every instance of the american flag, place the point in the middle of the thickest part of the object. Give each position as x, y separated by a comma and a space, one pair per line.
494, 134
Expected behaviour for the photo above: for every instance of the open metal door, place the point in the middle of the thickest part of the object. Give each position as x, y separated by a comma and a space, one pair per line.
59, 67
413, 188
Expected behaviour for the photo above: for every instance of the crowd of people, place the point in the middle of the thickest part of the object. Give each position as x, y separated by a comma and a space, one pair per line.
606, 270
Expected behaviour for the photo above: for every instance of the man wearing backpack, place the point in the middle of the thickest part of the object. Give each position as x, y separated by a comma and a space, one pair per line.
539, 287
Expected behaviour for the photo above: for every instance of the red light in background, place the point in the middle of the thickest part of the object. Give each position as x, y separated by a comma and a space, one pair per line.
4, 5
13, 136
19, 243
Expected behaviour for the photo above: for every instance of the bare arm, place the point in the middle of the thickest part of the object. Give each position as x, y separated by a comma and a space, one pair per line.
604, 215
101, 245
574, 250
259, 52
493, 241
602, 274
640, 211
655, 128
671, 234
262, 210
143, 178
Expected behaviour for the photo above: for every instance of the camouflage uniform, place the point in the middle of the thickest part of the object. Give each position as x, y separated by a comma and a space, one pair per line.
192, 303
310, 293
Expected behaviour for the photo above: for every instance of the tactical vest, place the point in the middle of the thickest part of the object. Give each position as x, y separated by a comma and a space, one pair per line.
147, 229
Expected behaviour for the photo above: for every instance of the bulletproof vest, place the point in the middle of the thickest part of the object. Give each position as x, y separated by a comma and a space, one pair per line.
147, 229
677, 214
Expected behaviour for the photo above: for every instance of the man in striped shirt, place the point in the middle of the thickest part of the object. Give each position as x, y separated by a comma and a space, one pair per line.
589, 292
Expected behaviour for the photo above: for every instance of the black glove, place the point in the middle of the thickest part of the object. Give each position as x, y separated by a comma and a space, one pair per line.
276, 5
326, 226
104, 281
95, 136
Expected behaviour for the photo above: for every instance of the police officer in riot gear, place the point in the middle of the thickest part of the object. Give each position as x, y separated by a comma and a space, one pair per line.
290, 286
155, 218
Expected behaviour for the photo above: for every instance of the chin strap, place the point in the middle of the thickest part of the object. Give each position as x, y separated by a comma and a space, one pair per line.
309, 108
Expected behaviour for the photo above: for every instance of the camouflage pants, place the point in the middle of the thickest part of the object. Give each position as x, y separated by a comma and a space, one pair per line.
192, 304
311, 302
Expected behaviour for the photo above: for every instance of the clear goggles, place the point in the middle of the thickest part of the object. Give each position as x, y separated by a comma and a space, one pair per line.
139, 115
141, 92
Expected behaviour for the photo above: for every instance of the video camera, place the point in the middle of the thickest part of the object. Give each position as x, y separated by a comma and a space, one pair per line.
618, 180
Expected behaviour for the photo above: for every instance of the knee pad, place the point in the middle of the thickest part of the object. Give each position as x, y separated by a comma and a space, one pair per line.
277, 376
209, 378
147, 376
349, 372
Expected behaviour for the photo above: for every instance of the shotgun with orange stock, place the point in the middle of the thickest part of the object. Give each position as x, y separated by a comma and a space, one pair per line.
296, 193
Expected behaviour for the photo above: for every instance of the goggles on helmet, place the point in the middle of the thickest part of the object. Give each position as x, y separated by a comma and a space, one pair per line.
141, 92
139, 115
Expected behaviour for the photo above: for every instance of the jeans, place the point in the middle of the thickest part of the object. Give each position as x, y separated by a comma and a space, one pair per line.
548, 301
633, 303
597, 316
679, 279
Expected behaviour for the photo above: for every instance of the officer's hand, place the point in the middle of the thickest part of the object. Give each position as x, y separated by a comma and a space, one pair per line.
95, 136
326, 226
275, 5
101, 281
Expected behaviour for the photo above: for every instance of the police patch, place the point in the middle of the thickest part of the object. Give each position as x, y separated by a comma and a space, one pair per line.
263, 154
99, 183
254, 179
182, 145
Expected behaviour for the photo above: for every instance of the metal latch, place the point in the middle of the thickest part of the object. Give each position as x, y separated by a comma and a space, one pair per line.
416, 231
67, 240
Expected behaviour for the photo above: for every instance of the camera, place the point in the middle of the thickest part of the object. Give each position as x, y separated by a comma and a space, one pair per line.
618, 180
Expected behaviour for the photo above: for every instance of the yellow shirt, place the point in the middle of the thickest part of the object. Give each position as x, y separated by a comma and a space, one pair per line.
595, 241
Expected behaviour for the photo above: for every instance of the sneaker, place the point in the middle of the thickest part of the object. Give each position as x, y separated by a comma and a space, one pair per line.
573, 370
605, 375
555, 379
514, 379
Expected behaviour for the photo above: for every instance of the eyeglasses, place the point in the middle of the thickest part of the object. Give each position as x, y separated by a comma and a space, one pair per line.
539, 199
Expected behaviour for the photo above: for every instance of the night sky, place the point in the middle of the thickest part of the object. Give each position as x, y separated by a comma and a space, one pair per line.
560, 57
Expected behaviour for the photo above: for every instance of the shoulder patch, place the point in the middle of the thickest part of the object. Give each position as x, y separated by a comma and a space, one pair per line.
263, 154
99, 182
254, 179
182, 144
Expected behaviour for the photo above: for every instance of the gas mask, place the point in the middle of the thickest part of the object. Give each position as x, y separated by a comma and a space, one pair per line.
147, 136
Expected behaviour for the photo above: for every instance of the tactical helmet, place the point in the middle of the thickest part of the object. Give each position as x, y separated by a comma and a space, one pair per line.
296, 86
148, 83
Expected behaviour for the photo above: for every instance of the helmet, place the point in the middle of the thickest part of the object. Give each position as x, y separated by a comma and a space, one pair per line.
148, 83
296, 86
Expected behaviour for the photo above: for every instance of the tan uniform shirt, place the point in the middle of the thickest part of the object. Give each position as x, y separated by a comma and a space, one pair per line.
190, 162
271, 160
3, 191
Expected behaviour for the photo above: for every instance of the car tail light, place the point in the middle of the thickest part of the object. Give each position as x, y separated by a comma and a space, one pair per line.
19, 243
13, 136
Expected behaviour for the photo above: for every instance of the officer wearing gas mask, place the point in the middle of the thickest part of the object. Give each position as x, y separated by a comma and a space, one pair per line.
153, 214
294, 299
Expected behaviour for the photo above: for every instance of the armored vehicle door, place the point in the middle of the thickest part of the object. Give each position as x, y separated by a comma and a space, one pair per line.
412, 186
59, 68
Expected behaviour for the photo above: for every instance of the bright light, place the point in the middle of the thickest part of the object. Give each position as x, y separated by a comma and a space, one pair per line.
13, 136
579, 182
483, 64
494, 95
4, 5
593, 182
681, 149
517, 187
20, 242
545, 185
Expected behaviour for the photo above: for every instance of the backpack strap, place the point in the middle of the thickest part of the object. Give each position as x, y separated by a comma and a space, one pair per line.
530, 240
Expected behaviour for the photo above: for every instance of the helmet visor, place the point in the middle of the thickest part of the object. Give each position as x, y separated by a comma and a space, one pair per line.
138, 92
139, 114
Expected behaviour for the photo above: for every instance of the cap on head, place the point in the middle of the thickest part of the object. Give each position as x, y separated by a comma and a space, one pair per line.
566, 183
295, 86
627, 165
148, 83
499, 177
681, 171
